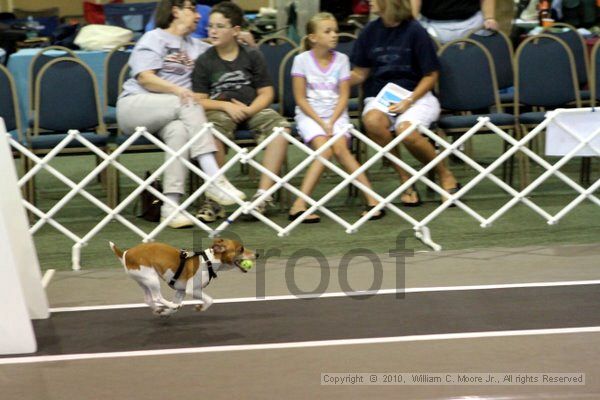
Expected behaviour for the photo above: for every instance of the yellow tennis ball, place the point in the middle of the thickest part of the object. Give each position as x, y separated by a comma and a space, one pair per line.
247, 264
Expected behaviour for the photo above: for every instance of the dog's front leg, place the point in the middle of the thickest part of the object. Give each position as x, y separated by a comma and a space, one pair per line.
198, 290
178, 297
206, 300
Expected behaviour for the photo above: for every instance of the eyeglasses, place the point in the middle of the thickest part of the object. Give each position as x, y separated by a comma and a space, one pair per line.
218, 26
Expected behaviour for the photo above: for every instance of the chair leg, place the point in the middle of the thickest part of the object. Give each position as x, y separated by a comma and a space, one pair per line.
523, 160
585, 171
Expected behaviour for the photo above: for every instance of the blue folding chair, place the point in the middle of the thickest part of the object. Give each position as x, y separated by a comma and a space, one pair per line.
113, 65
132, 16
345, 46
66, 97
468, 89
9, 106
576, 43
43, 57
545, 78
274, 49
501, 50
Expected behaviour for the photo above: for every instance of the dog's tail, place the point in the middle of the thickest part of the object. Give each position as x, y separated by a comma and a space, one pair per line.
116, 250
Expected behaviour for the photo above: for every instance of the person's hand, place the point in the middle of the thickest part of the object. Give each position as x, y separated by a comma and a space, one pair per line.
235, 111
245, 109
245, 37
327, 126
399, 108
491, 24
186, 96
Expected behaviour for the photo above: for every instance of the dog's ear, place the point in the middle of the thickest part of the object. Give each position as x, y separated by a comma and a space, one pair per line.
219, 246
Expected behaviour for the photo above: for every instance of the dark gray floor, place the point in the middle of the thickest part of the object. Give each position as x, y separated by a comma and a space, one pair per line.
294, 373
301, 320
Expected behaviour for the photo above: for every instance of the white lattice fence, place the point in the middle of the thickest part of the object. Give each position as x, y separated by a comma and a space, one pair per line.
242, 155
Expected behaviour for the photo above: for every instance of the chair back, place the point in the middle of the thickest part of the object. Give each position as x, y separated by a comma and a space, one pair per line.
132, 16
576, 44
467, 77
9, 107
42, 58
113, 64
595, 73
545, 73
287, 104
274, 50
123, 75
66, 97
501, 50
345, 46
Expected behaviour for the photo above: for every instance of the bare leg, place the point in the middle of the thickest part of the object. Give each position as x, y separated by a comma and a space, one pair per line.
377, 125
221, 154
343, 155
424, 151
273, 159
312, 176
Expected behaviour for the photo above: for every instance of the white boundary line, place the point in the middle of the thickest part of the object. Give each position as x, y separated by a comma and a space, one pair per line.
343, 294
296, 345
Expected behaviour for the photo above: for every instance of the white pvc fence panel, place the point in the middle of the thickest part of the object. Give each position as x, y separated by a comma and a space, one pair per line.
242, 155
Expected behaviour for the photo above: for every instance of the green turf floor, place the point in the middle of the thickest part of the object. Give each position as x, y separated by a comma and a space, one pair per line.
453, 229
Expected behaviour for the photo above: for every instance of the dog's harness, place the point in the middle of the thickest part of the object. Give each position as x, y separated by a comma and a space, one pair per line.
183, 256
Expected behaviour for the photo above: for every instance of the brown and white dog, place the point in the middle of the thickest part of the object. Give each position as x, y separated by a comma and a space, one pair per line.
147, 263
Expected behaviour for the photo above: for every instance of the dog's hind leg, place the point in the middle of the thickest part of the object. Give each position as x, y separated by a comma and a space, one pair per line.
148, 279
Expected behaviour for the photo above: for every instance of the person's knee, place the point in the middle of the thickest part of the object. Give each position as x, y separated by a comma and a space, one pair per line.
339, 149
174, 134
413, 138
280, 143
376, 124
221, 122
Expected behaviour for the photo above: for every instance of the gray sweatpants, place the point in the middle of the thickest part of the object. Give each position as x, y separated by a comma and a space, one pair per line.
174, 123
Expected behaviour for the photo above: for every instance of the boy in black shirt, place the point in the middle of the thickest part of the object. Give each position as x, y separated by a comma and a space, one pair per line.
231, 82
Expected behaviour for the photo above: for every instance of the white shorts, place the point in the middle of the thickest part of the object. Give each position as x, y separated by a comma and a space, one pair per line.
424, 111
446, 31
309, 129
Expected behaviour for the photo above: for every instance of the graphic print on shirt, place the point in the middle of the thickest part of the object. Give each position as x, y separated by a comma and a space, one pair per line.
177, 62
228, 84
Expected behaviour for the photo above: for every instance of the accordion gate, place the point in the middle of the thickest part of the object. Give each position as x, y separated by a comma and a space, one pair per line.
518, 147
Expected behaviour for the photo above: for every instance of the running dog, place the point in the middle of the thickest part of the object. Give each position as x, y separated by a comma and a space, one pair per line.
147, 263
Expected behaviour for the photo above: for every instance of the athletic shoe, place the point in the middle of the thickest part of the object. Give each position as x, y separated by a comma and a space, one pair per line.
210, 211
178, 221
262, 206
222, 192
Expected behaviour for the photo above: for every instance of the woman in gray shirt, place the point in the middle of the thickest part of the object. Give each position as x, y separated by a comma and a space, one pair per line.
158, 96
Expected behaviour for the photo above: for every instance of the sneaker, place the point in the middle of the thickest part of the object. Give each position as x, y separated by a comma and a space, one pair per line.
222, 192
262, 206
178, 221
210, 211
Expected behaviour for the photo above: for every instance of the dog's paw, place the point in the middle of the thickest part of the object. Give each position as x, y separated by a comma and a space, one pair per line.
203, 306
159, 311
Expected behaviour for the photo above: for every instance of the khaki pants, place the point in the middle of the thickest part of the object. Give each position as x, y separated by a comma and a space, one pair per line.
263, 123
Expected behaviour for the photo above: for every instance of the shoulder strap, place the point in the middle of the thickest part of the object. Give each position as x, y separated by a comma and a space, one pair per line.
183, 256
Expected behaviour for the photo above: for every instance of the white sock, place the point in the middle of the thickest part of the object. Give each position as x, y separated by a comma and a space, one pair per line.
208, 163
176, 197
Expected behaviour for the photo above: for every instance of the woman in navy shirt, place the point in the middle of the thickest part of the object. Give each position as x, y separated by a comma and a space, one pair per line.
396, 48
